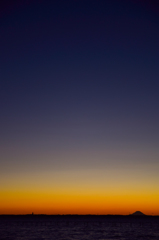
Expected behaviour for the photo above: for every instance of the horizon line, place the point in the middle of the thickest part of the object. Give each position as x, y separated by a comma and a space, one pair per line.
43, 214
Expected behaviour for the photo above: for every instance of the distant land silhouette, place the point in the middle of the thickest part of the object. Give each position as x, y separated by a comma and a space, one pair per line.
137, 213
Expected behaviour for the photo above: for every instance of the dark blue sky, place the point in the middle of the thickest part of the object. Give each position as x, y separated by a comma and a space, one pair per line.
79, 76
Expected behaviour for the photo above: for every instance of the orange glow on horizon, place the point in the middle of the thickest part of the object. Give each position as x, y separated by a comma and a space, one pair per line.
47, 203
80, 192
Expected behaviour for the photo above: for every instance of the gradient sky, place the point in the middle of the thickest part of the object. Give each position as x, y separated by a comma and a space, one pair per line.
79, 123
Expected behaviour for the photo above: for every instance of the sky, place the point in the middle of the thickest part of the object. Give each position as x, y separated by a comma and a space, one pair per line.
79, 92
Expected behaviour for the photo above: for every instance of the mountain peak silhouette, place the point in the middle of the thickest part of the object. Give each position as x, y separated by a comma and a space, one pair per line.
138, 213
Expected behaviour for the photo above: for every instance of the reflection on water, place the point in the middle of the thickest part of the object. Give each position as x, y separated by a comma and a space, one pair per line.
78, 227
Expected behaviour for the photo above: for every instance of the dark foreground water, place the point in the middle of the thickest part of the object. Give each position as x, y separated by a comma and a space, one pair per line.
78, 227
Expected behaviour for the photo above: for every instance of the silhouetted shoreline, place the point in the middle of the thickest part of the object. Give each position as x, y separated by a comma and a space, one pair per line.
77, 215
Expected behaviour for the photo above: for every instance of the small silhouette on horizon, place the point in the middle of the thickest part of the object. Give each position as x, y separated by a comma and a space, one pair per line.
138, 213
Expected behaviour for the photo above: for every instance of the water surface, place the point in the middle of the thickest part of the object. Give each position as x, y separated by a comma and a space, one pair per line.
78, 227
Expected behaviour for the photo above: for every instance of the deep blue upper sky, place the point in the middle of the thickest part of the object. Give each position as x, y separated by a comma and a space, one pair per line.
79, 73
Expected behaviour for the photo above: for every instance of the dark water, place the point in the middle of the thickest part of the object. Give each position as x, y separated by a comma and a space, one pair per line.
78, 227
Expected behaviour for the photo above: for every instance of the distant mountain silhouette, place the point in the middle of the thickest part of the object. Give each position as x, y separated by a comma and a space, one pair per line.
138, 213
